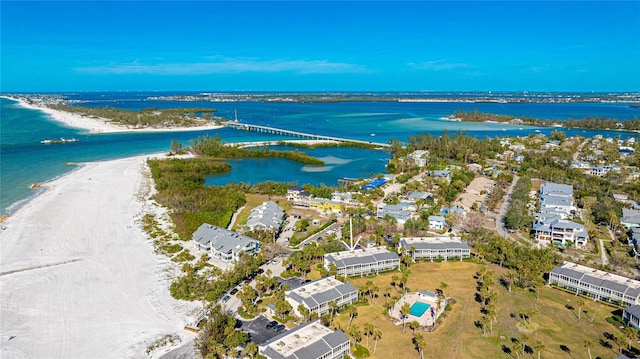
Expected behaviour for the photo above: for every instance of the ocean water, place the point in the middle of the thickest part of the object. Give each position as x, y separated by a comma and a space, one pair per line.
24, 161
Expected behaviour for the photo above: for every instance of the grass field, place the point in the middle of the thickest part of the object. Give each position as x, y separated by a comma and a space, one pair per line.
458, 337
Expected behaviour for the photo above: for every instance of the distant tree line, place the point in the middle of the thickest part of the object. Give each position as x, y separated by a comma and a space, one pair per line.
215, 147
156, 118
589, 122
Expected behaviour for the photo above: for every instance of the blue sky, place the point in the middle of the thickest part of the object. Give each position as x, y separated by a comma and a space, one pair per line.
320, 46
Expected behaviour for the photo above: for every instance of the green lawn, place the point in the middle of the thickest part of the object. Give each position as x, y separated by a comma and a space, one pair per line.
458, 337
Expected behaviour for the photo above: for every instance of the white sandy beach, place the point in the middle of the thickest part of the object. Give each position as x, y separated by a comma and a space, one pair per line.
78, 276
100, 125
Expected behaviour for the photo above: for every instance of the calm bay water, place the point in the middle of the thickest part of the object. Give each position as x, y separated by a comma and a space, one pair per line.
25, 161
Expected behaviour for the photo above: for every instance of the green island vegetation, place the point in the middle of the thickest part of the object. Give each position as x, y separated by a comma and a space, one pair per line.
216, 148
596, 123
150, 117
498, 303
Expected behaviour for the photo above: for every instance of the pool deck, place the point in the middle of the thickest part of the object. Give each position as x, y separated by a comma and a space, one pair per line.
427, 319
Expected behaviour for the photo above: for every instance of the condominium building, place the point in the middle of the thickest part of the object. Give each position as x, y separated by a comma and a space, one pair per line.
560, 232
443, 247
267, 216
308, 341
595, 283
222, 243
317, 295
362, 261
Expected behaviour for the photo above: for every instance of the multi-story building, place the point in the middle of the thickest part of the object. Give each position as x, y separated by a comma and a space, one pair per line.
362, 261
317, 295
595, 283
267, 216
560, 232
222, 243
434, 247
309, 341
401, 212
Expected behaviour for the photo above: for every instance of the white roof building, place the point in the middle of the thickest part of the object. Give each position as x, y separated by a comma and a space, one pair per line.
307, 341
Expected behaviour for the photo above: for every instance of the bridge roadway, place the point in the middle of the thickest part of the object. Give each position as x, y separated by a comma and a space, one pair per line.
283, 132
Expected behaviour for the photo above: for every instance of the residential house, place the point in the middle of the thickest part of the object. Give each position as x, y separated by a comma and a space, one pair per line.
437, 223
419, 157
596, 284
443, 247
298, 196
223, 243
311, 340
474, 167
441, 174
401, 212
560, 232
316, 295
630, 218
342, 197
362, 261
634, 240
267, 216
325, 205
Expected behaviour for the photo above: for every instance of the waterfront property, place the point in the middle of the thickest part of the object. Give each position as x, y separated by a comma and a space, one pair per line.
443, 247
298, 196
224, 244
631, 315
267, 216
595, 283
309, 341
316, 295
425, 308
362, 261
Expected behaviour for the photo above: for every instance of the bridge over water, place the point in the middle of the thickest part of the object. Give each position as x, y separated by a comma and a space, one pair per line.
283, 132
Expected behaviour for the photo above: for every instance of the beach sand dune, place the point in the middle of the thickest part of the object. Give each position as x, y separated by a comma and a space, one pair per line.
78, 277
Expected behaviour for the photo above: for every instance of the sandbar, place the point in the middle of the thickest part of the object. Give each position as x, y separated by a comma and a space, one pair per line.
78, 276
99, 125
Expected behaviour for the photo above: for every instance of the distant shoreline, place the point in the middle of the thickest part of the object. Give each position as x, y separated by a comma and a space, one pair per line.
99, 125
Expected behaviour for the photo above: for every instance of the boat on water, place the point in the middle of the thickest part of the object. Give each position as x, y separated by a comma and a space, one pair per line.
61, 140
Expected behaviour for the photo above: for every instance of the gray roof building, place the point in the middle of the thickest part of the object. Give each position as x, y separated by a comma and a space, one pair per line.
223, 243
362, 261
630, 217
316, 295
631, 315
266, 216
434, 247
595, 283
307, 341
556, 189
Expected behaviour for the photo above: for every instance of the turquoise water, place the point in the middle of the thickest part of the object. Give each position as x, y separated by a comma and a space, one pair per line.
418, 308
24, 161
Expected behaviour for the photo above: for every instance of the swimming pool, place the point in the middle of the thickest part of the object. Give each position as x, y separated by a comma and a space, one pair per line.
418, 308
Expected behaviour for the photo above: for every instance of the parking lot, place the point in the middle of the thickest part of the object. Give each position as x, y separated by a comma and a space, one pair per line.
257, 329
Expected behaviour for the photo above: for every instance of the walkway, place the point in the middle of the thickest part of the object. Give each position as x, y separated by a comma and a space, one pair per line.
232, 222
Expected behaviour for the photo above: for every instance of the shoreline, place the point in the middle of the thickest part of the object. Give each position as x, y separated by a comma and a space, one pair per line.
75, 263
99, 125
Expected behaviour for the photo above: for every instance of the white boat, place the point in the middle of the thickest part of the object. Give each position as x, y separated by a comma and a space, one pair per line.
373, 135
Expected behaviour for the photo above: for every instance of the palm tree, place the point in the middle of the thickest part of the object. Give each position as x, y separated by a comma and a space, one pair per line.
377, 335
368, 331
594, 313
304, 311
395, 280
589, 345
373, 292
511, 277
251, 349
413, 325
404, 311
333, 307
523, 339
354, 331
539, 347
353, 312
443, 286
631, 335
580, 303
420, 344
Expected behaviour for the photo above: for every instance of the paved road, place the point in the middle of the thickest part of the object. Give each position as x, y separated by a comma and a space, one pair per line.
500, 222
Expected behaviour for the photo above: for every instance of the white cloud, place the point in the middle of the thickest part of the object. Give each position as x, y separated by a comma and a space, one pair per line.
439, 65
216, 65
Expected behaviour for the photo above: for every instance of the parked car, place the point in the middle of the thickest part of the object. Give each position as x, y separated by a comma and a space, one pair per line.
226, 298
233, 291
271, 324
279, 328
